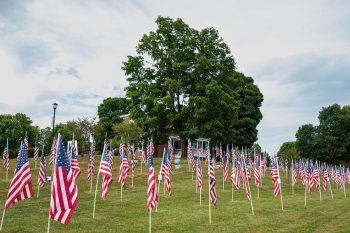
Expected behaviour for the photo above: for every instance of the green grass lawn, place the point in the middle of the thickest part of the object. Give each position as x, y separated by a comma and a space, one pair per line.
181, 212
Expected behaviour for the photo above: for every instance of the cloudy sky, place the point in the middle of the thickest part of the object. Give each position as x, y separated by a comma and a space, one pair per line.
71, 52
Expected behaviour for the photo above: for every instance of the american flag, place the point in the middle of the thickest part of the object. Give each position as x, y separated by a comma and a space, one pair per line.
347, 176
26, 142
42, 171
236, 182
199, 174
64, 190
152, 195
275, 179
339, 178
245, 173
315, 176
308, 176
206, 155
128, 150
171, 149
21, 184
91, 161
228, 155
111, 154
106, 171
294, 173
325, 177
36, 150
53, 152
74, 162
256, 171
212, 182
224, 167
164, 171
133, 158
121, 148
193, 161
6, 157
190, 153
143, 155
123, 169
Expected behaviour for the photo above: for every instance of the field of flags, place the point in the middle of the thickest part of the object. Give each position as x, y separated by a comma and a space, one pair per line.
224, 190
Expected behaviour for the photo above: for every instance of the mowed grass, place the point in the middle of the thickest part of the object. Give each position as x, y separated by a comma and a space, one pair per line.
181, 212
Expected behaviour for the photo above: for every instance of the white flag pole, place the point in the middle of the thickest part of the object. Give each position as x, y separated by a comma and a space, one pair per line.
159, 179
209, 162
319, 169
292, 176
150, 220
280, 184
343, 182
306, 185
8, 157
97, 178
2, 219
53, 178
330, 187
250, 193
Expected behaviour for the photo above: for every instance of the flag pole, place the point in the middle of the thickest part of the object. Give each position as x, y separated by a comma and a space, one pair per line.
53, 178
330, 186
7, 148
2, 219
292, 176
250, 193
159, 179
280, 184
306, 185
97, 178
209, 162
344, 182
150, 221
36, 139
223, 181
319, 169
91, 183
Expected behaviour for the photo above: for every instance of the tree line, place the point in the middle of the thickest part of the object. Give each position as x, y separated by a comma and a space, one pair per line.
329, 141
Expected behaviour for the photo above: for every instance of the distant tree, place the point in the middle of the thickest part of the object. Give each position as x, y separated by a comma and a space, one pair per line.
306, 141
330, 140
257, 148
127, 133
14, 128
82, 129
288, 151
183, 81
109, 112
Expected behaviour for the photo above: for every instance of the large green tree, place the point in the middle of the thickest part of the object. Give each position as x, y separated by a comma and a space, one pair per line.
184, 81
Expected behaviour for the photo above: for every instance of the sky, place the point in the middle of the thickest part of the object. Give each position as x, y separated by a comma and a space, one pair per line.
71, 52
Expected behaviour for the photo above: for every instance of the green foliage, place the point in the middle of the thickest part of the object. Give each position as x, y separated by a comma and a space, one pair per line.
183, 81
14, 128
288, 151
82, 129
109, 112
330, 140
127, 132
257, 148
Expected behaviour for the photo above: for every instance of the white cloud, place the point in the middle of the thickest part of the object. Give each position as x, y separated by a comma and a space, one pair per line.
72, 53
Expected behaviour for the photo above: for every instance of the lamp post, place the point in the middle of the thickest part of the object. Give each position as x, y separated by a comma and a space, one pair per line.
54, 105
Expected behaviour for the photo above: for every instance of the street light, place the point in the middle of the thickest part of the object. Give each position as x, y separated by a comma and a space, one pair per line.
54, 105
